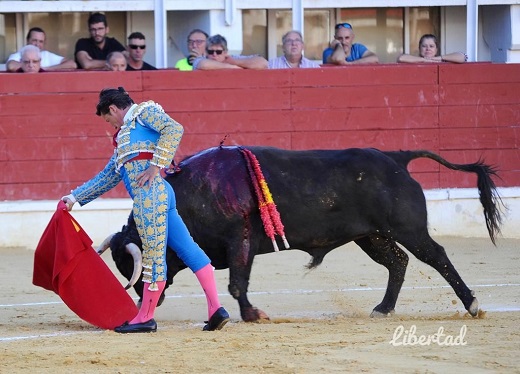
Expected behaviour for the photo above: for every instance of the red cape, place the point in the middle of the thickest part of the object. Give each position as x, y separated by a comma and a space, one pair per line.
66, 263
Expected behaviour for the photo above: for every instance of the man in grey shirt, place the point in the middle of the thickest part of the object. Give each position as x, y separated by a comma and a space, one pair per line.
217, 57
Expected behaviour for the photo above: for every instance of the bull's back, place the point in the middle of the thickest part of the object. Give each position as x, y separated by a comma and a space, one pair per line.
316, 191
342, 191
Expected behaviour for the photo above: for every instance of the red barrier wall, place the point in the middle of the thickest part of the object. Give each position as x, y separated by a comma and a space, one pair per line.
51, 140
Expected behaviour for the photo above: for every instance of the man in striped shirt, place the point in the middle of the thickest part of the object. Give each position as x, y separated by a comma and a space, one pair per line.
292, 46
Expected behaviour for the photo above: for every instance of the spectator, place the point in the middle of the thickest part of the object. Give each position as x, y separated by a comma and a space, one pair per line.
429, 52
31, 60
116, 61
217, 57
136, 48
50, 61
292, 46
91, 53
196, 47
343, 50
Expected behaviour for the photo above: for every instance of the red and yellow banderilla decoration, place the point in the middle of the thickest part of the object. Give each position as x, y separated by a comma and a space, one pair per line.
268, 211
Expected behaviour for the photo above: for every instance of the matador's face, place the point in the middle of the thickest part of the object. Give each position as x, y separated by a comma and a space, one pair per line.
115, 116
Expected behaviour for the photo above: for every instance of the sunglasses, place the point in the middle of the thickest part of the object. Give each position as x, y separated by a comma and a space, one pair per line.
343, 25
133, 46
214, 51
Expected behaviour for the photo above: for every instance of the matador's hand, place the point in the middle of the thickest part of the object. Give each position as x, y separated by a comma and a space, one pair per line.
69, 201
148, 175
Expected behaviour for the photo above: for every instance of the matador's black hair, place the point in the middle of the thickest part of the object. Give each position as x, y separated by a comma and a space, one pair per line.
112, 96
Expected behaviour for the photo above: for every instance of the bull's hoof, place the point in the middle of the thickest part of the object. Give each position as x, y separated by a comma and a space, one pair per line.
378, 314
253, 315
473, 308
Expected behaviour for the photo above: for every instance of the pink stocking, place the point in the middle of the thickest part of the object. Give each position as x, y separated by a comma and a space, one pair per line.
206, 277
149, 303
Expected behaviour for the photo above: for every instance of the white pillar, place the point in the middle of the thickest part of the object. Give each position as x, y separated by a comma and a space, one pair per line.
472, 29
232, 32
161, 60
406, 45
297, 16
513, 54
229, 9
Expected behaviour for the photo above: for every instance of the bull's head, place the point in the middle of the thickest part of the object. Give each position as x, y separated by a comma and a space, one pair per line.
126, 248
120, 255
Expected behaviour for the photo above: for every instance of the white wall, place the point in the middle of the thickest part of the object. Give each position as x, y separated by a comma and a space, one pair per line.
514, 52
180, 23
451, 212
213, 22
496, 27
143, 22
232, 31
453, 27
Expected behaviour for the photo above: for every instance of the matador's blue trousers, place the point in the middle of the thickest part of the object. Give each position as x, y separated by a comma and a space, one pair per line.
159, 223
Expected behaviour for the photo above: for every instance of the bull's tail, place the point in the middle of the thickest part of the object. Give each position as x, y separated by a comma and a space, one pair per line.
489, 197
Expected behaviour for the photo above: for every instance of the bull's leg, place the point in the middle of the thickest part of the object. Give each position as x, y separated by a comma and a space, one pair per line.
427, 250
239, 272
386, 252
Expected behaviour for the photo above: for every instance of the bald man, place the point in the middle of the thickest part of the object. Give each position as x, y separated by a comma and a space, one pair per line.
116, 61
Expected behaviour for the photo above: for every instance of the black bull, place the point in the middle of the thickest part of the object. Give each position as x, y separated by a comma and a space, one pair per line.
326, 198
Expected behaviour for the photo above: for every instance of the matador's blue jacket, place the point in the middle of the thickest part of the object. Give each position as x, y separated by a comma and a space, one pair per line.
146, 128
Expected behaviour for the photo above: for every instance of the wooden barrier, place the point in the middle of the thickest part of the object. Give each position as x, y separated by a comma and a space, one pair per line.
51, 140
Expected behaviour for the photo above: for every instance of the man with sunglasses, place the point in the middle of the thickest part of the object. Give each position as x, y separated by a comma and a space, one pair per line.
196, 48
343, 50
91, 53
136, 49
217, 57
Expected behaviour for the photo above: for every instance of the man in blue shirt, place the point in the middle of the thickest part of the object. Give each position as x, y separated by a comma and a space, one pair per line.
343, 50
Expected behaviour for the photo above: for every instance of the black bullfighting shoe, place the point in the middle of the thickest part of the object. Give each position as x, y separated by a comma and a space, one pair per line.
217, 320
148, 326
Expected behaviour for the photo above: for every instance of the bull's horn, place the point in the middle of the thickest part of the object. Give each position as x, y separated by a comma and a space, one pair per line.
135, 252
105, 245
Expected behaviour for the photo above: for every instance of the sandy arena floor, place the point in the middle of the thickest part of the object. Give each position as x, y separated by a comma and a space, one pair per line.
319, 320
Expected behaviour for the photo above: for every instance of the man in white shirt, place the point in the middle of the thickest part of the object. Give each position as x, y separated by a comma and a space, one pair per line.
49, 61
292, 46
